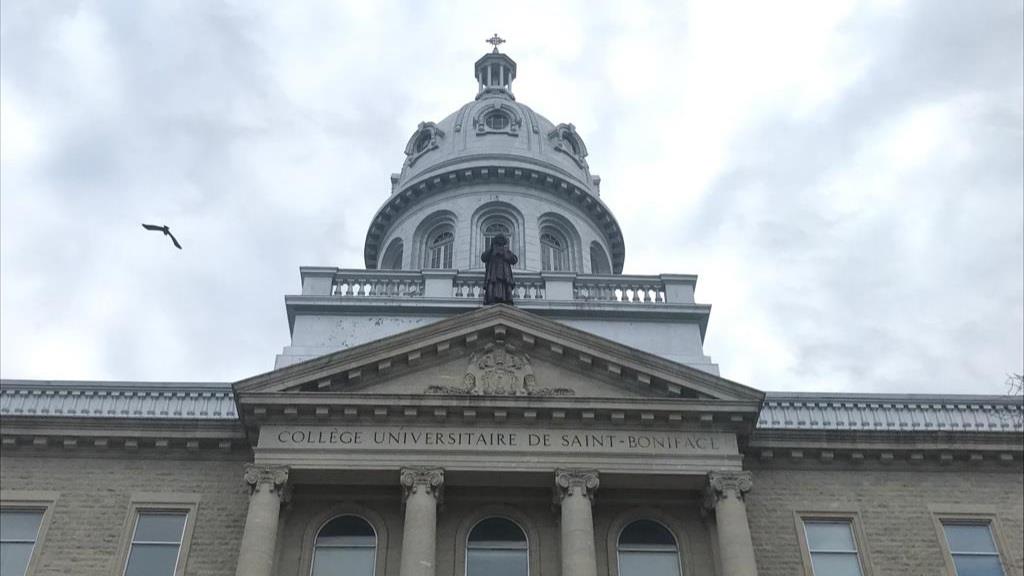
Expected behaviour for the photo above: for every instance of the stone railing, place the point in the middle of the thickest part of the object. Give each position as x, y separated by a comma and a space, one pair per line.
469, 285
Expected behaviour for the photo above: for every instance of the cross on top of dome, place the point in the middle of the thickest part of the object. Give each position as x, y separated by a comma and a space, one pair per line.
495, 41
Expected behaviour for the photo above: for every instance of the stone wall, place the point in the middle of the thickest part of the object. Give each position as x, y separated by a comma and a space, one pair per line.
89, 519
893, 507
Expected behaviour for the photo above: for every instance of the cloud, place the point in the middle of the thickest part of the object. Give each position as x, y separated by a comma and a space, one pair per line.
845, 177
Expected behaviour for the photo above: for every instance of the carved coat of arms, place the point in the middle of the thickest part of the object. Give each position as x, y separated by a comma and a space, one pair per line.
499, 369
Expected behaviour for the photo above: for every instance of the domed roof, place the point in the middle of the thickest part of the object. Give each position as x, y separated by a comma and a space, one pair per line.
496, 126
495, 138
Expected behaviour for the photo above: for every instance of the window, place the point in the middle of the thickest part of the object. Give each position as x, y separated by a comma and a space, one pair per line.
553, 252
646, 548
598, 260
494, 229
156, 543
440, 250
832, 548
497, 121
423, 140
345, 546
973, 548
19, 530
497, 547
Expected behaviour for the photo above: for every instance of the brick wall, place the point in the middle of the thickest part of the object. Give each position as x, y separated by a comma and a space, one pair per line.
89, 518
900, 533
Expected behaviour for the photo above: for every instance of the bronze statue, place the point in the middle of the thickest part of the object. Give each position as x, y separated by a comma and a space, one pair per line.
498, 281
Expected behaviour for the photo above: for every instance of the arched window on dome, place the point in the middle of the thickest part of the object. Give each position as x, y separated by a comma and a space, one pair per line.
599, 260
554, 250
647, 548
392, 259
497, 547
440, 244
497, 120
345, 546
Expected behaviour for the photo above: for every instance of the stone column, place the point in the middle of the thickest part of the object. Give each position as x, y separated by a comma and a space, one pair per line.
422, 490
575, 492
725, 494
259, 540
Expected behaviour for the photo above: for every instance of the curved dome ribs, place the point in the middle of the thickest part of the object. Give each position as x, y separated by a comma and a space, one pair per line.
484, 152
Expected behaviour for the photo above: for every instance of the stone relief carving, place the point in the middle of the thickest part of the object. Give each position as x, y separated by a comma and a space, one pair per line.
723, 485
500, 369
430, 480
272, 478
568, 481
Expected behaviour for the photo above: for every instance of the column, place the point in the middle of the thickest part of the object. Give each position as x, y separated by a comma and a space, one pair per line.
575, 492
259, 540
422, 490
725, 494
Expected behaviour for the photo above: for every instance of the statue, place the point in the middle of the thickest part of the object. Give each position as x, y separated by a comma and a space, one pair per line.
498, 282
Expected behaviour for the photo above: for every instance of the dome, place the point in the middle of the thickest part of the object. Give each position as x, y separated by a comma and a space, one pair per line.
501, 149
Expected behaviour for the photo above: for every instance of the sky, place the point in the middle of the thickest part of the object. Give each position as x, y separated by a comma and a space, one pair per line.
846, 178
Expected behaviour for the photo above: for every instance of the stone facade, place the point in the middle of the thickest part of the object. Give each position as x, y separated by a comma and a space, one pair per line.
405, 406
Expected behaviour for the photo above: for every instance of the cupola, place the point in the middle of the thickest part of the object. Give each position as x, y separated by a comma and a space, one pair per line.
495, 72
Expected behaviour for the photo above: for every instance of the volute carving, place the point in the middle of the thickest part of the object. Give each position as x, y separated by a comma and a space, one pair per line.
722, 485
273, 479
576, 481
428, 480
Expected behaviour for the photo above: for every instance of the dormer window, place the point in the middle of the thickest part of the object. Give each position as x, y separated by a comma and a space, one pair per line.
423, 141
566, 140
497, 121
426, 137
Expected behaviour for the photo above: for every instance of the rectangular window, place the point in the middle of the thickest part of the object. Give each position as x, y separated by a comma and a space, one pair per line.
19, 530
832, 547
156, 543
973, 548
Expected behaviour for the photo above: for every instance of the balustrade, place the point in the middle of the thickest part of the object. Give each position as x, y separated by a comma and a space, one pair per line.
625, 289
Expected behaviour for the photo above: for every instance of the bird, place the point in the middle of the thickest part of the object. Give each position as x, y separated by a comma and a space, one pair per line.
166, 230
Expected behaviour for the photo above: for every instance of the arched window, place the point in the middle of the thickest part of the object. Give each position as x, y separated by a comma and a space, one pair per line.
598, 260
345, 546
646, 548
494, 228
497, 121
392, 259
439, 249
497, 547
553, 251
424, 140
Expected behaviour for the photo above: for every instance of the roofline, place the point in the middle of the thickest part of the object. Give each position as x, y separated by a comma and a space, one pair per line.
30, 384
897, 398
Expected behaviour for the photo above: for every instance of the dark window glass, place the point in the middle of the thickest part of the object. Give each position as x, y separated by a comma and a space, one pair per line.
440, 254
423, 141
345, 546
599, 260
497, 121
646, 548
552, 253
156, 543
18, 532
497, 547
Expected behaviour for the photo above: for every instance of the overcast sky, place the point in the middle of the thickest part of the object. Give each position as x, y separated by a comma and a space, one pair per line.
845, 178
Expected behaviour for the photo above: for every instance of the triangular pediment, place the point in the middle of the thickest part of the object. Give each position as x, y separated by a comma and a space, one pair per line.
498, 351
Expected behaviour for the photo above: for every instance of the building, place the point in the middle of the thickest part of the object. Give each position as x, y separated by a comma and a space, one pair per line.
409, 431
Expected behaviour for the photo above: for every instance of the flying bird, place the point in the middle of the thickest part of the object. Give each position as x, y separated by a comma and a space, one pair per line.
166, 230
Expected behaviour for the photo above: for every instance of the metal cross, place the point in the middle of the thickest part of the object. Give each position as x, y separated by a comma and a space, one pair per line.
494, 41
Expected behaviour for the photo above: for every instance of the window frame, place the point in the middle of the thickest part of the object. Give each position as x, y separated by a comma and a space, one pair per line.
445, 250
142, 502
466, 548
316, 535
967, 514
627, 524
317, 522
21, 500
833, 516
688, 563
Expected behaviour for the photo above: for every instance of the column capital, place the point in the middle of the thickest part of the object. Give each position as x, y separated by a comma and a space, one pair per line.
570, 480
270, 478
723, 485
429, 480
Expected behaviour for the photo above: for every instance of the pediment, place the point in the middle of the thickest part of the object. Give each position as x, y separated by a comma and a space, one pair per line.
495, 351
